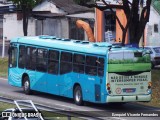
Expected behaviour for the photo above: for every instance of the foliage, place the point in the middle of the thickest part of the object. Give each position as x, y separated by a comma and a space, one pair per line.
136, 13
144, 59
29, 3
82, 2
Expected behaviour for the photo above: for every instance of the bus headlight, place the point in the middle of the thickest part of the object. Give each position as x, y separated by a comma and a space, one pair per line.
149, 85
108, 88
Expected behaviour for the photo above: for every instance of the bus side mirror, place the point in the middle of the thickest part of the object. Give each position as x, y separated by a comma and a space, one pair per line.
9, 50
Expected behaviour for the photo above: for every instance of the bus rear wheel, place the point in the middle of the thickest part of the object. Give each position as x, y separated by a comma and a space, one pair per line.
78, 99
26, 86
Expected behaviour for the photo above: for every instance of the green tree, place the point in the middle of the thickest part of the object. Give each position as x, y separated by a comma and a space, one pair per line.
26, 7
82, 2
135, 11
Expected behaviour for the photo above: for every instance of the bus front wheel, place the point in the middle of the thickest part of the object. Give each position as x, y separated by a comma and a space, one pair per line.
78, 99
26, 86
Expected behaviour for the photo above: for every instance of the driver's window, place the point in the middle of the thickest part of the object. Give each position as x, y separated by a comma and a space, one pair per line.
13, 57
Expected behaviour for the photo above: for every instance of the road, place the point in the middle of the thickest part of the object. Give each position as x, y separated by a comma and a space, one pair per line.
63, 103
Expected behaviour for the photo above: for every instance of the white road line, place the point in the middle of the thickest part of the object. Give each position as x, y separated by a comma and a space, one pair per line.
3, 79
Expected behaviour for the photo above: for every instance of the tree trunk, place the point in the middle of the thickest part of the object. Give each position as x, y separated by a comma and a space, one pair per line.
25, 20
124, 36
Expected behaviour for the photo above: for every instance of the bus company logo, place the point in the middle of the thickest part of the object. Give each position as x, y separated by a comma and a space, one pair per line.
6, 114
118, 90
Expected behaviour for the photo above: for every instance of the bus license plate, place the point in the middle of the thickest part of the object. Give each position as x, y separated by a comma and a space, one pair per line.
129, 90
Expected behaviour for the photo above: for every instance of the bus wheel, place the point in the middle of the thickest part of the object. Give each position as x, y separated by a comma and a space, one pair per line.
78, 99
26, 86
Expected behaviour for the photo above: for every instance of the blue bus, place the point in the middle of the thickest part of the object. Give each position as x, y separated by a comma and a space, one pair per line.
84, 71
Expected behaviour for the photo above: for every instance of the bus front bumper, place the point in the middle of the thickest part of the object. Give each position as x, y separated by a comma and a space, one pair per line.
138, 98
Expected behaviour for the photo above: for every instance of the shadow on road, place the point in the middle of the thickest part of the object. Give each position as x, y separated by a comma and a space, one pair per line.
109, 107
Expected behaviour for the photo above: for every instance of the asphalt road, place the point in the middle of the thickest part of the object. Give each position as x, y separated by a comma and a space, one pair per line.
63, 103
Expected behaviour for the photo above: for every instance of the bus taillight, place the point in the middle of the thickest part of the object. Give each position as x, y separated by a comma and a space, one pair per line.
149, 85
108, 88
149, 88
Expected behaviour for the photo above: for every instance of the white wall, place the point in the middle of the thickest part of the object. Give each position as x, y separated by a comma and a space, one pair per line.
55, 27
14, 28
152, 38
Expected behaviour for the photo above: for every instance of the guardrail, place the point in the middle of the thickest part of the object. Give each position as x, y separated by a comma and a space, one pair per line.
66, 113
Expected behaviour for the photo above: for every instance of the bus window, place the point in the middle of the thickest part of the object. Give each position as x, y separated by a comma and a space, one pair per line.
42, 56
100, 67
53, 62
22, 55
13, 57
91, 65
66, 56
78, 63
31, 58
53, 55
66, 62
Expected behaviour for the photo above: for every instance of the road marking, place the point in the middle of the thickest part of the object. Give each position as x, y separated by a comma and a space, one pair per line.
3, 79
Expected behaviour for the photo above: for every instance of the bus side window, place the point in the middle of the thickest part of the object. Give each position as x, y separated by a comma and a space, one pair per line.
91, 65
78, 63
42, 55
22, 56
13, 57
53, 62
31, 58
101, 67
66, 62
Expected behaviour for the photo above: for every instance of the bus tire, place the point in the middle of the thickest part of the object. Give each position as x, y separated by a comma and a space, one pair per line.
78, 98
26, 86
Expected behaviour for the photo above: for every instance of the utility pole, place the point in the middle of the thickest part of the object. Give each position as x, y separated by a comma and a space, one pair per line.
3, 48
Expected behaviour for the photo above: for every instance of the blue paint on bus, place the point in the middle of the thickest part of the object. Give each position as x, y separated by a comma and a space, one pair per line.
93, 85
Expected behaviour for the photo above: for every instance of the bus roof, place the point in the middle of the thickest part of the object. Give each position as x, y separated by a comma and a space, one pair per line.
65, 44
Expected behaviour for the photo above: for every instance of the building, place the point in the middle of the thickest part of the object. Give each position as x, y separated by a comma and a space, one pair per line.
153, 26
106, 21
11, 22
58, 18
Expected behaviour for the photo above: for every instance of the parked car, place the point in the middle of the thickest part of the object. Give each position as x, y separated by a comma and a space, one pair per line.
155, 55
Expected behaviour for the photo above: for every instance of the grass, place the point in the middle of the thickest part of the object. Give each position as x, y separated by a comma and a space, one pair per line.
127, 67
4, 106
155, 102
3, 67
